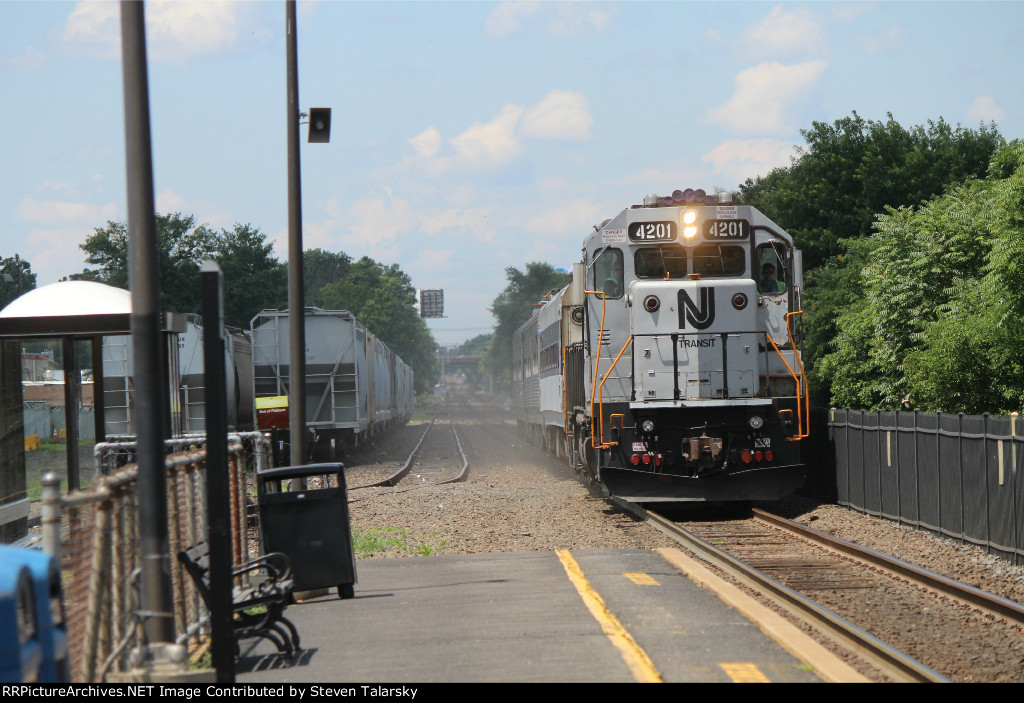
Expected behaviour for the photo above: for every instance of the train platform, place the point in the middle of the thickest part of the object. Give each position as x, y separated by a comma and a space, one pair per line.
593, 616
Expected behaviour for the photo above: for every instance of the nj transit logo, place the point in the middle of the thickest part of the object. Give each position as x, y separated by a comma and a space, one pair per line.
700, 314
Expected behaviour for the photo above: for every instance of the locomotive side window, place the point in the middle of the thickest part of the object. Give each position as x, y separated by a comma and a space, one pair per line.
608, 273
771, 268
655, 262
719, 260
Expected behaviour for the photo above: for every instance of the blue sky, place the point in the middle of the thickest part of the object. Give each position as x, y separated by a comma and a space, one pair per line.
466, 136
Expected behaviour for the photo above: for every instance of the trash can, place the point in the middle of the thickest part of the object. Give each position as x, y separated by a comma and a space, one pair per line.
304, 514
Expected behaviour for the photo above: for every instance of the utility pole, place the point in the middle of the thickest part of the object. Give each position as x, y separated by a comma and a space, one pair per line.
296, 305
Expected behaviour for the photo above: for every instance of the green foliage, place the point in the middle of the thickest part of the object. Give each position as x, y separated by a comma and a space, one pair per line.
939, 322
829, 198
514, 306
22, 279
254, 279
384, 300
391, 541
181, 248
320, 268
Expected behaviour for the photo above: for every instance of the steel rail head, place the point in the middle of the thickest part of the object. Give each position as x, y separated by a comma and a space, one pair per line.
998, 605
886, 658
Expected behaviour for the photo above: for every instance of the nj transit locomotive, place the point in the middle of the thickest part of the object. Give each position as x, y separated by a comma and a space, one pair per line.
668, 369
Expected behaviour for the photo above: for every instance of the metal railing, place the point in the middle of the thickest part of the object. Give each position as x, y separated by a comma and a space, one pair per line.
94, 534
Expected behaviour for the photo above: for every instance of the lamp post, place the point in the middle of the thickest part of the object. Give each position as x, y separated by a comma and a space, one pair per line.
319, 131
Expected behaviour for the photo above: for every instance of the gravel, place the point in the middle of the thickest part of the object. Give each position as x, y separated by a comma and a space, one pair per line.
517, 498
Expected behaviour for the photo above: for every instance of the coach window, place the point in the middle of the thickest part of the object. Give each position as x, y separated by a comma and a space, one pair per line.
719, 260
656, 262
608, 276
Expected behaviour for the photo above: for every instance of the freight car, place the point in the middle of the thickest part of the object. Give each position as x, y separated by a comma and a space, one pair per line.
669, 368
355, 386
188, 407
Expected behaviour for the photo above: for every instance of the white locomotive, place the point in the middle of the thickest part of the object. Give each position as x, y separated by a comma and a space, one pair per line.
669, 368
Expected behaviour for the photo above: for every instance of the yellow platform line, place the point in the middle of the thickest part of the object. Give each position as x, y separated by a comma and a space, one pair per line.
640, 665
744, 672
827, 665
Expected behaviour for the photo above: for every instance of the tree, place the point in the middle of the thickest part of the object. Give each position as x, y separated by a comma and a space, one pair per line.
384, 300
319, 269
514, 306
939, 320
849, 173
17, 278
254, 279
181, 248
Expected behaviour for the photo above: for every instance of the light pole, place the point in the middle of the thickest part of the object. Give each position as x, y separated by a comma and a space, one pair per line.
319, 131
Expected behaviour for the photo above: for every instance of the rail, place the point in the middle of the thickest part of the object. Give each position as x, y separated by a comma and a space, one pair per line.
394, 478
894, 663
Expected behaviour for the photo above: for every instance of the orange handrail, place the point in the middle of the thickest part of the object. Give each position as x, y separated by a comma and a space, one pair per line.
600, 402
802, 398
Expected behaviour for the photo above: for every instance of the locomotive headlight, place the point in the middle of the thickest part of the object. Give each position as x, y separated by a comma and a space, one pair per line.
689, 224
647, 426
756, 422
651, 303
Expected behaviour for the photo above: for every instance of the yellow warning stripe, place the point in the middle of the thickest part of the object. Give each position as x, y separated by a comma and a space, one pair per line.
743, 672
636, 658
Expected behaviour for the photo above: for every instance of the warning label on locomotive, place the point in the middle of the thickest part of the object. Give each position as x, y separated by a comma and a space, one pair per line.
613, 236
726, 212
639, 446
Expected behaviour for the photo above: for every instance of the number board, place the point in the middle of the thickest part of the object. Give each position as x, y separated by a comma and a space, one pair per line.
652, 231
726, 229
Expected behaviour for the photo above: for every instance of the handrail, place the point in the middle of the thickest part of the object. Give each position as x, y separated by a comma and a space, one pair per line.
600, 402
565, 392
597, 358
803, 377
800, 382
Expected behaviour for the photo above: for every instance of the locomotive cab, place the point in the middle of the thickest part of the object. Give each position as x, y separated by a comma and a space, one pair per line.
695, 383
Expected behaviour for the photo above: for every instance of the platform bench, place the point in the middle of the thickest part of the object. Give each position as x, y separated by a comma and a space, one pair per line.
258, 604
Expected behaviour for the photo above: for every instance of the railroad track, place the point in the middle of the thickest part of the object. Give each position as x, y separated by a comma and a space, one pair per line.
908, 623
446, 463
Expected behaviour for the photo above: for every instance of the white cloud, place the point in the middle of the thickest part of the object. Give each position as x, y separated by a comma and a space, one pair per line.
427, 143
984, 109
94, 28
762, 94
506, 17
492, 144
435, 259
54, 252
562, 114
30, 59
53, 211
377, 221
179, 30
786, 32
169, 201
559, 18
474, 221
176, 30
886, 39
853, 10
740, 159
573, 218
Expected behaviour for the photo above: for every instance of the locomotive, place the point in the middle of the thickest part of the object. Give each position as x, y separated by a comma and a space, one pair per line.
669, 368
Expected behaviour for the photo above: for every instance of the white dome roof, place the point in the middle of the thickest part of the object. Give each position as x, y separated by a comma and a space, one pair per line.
71, 298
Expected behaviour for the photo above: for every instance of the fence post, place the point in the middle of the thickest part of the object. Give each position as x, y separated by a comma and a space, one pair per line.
50, 516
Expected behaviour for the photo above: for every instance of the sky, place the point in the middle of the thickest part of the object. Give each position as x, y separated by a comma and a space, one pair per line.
467, 137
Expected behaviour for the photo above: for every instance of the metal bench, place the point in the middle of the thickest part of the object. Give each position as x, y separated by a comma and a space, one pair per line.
259, 602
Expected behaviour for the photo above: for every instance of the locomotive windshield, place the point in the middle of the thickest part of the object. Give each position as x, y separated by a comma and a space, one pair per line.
719, 260
655, 262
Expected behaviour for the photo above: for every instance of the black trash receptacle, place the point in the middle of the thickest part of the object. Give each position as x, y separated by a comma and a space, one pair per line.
310, 524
